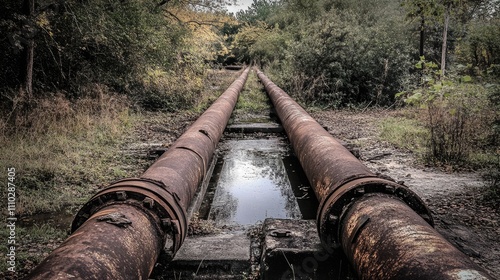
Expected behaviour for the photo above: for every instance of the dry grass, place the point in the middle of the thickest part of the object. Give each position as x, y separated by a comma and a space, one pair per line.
60, 148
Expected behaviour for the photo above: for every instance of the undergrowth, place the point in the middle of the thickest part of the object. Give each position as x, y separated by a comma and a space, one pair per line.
252, 98
63, 151
405, 133
33, 244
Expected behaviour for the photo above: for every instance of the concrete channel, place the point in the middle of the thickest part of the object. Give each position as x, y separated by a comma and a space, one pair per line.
263, 211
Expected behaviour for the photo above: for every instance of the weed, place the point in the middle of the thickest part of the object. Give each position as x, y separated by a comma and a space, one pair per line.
62, 149
252, 99
406, 133
199, 226
33, 244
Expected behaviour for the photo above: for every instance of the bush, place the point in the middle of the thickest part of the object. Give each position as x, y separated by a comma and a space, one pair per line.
170, 91
406, 133
459, 117
344, 55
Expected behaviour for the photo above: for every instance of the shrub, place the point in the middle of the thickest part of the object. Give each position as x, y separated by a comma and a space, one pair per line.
345, 55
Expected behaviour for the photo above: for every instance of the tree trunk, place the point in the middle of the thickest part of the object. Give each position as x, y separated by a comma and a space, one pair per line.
445, 40
28, 53
422, 35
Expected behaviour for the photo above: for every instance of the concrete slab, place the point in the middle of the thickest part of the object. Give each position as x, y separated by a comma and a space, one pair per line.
220, 247
221, 256
292, 250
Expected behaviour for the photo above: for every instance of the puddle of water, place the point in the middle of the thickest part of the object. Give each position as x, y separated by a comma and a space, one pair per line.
306, 198
253, 184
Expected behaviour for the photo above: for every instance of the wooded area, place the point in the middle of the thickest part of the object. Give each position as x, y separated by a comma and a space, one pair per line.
443, 55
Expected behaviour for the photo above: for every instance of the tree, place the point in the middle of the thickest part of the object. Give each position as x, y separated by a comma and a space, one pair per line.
424, 11
447, 8
260, 10
331, 52
29, 50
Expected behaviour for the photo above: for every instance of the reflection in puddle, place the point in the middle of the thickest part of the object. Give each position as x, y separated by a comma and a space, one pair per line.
253, 184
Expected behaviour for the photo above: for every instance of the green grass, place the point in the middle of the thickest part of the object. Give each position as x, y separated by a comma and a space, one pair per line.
253, 98
405, 133
42, 238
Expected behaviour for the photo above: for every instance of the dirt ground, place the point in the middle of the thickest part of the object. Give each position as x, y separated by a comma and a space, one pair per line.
456, 199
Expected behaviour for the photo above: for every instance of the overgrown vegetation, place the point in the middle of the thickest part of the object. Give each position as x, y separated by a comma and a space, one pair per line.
66, 151
407, 133
458, 114
252, 99
42, 240
75, 75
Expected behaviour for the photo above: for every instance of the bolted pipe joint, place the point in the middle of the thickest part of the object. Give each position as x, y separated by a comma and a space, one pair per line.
167, 215
332, 209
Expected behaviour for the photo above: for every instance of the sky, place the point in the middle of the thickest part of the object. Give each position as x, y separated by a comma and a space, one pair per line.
240, 5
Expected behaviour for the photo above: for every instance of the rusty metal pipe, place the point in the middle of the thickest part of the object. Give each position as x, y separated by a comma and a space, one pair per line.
102, 250
341, 182
121, 231
386, 239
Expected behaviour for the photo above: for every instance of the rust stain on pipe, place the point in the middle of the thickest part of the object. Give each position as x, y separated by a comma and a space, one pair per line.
340, 181
121, 231
396, 243
100, 250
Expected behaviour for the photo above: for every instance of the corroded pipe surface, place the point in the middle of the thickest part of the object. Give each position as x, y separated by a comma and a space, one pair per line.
339, 181
102, 250
120, 232
386, 239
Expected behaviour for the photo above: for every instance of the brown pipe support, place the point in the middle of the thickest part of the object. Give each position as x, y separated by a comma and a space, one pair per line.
339, 180
121, 231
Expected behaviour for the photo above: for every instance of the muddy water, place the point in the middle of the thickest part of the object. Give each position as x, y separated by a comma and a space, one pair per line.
253, 183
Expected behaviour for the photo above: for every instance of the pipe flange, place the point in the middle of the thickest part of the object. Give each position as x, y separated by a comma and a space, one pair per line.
336, 203
146, 194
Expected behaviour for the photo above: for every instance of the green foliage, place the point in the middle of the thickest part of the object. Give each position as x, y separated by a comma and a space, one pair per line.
261, 43
406, 133
108, 42
481, 47
340, 52
459, 115
343, 54
113, 44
